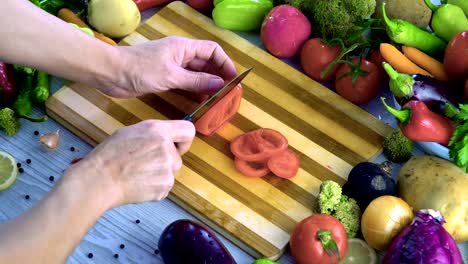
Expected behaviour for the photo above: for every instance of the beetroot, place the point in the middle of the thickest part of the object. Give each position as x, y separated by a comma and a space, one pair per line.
284, 30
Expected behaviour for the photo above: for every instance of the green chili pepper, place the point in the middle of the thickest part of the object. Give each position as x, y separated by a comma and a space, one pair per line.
241, 15
447, 20
463, 4
404, 32
41, 92
23, 104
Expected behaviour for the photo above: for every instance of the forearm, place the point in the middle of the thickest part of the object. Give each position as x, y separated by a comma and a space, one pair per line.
35, 38
50, 231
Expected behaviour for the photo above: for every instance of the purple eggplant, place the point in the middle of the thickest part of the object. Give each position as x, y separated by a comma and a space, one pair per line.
8, 89
186, 241
434, 93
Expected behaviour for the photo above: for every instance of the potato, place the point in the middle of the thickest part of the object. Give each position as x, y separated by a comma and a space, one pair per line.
414, 11
114, 18
427, 182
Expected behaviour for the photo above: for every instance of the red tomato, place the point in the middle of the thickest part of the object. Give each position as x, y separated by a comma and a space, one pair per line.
306, 246
316, 56
366, 86
284, 164
201, 5
251, 168
376, 58
258, 145
220, 113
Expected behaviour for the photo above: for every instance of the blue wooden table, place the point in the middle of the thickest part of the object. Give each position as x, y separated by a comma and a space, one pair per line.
118, 226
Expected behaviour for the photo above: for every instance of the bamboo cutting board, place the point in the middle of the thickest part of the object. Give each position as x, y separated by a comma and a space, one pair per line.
329, 134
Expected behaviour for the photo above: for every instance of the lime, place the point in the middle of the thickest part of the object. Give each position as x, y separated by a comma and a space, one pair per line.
359, 252
8, 170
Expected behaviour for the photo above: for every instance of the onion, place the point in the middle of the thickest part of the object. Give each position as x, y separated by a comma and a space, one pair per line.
383, 219
50, 140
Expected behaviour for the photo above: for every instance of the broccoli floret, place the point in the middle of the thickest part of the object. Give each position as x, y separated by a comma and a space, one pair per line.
9, 122
329, 196
331, 201
338, 18
396, 147
348, 213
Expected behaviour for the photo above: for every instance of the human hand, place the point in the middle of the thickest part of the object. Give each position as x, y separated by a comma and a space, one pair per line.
196, 66
137, 163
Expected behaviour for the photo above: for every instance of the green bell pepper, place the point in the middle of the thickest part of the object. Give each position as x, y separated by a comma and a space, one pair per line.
447, 20
463, 4
241, 15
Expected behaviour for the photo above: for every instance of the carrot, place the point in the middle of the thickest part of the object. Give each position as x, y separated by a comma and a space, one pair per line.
399, 62
67, 15
426, 62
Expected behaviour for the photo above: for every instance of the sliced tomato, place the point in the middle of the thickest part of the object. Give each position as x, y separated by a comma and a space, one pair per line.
284, 164
220, 113
258, 145
251, 168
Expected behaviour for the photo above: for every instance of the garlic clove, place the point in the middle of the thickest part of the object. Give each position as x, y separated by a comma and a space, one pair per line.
50, 140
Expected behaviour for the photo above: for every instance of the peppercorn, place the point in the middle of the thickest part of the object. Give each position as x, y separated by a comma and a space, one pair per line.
18, 165
51, 178
26, 197
137, 221
122, 246
90, 255
116, 255
21, 170
72, 149
28, 161
156, 251
36, 133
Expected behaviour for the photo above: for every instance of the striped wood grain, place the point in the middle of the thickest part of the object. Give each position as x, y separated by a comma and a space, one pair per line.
329, 134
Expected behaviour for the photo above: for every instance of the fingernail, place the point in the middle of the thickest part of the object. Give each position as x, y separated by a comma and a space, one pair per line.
214, 84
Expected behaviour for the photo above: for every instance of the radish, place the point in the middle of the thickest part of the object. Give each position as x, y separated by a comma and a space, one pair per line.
284, 30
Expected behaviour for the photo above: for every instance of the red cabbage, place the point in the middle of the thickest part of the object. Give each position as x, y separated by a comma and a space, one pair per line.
424, 241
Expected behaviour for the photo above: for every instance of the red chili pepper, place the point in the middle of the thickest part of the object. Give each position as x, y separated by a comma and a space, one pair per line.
418, 123
147, 4
7, 84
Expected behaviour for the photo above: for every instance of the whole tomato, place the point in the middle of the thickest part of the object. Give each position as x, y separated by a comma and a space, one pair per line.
360, 83
316, 56
376, 58
313, 236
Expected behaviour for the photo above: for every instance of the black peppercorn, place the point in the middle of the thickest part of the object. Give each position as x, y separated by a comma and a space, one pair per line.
18, 165
28, 161
21, 170
137, 221
51, 178
116, 255
36, 132
122, 246
156, 251
90, 255
72, 149
26, 197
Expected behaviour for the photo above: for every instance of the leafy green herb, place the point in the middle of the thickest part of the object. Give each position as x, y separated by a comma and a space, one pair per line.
458, 144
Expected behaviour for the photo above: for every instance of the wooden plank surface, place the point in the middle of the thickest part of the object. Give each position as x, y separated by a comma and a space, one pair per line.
328, 133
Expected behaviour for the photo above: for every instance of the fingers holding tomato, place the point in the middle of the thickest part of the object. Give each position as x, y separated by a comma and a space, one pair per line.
319, 238
358, 83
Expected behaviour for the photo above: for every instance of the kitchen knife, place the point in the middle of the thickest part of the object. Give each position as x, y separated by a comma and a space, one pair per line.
206, 105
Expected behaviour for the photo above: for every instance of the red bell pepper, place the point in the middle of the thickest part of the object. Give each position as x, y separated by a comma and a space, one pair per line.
7, 84
418, 123
147, 4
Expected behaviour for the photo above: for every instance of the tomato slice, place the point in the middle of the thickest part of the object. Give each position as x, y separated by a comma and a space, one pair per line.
284, 164
220, 113
251, 168
258, 145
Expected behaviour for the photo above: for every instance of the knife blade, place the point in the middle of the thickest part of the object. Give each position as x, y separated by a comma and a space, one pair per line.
208, 103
